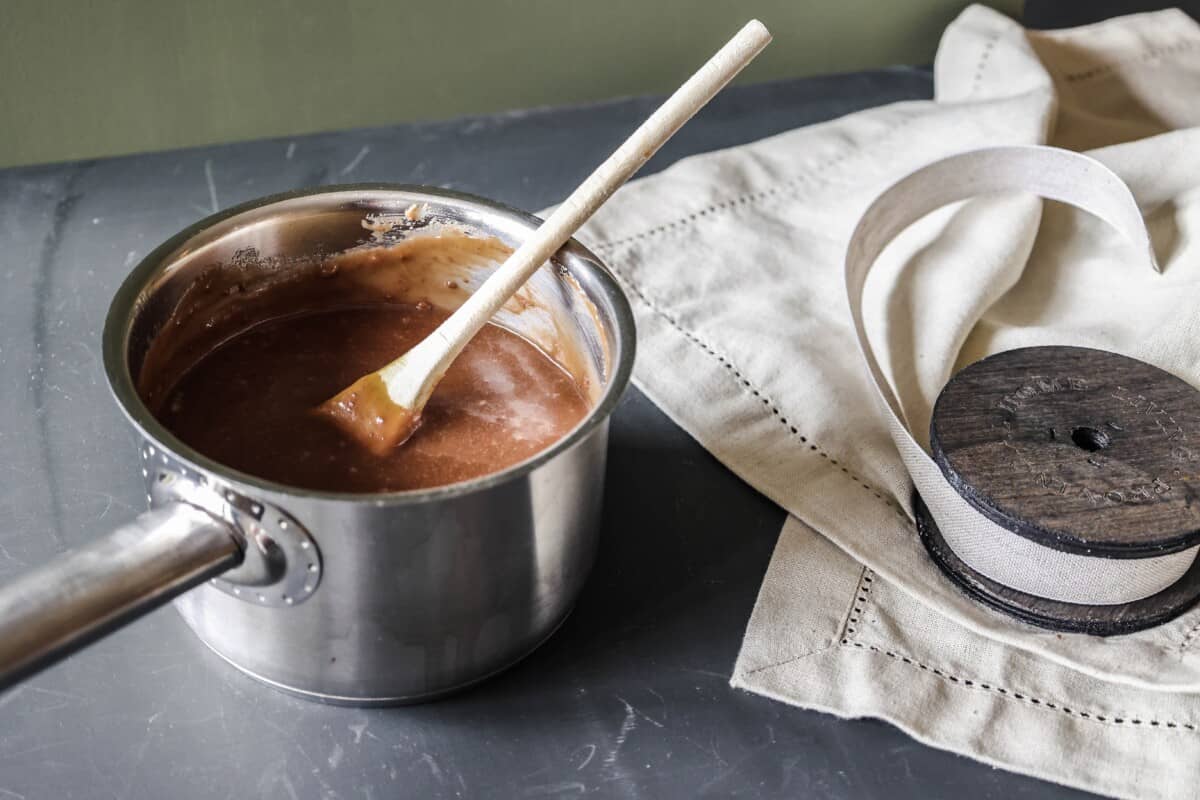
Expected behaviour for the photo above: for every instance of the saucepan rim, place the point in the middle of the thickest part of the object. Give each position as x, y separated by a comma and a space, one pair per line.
577, 258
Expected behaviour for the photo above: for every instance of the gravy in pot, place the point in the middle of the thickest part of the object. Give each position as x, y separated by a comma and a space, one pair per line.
250, 401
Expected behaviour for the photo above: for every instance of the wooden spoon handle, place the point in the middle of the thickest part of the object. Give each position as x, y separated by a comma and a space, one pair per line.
451, 337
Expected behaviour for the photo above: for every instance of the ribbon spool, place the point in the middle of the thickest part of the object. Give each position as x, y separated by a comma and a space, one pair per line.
1081, 451
1064, 487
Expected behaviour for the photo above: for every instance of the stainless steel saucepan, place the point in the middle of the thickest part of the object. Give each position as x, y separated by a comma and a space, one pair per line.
351, 598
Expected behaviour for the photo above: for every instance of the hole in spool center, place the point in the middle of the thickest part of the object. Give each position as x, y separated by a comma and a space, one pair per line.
1090, 439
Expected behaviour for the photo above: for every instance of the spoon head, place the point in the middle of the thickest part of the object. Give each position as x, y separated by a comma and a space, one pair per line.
366, 412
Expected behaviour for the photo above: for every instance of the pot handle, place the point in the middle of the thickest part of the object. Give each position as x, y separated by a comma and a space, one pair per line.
52, 611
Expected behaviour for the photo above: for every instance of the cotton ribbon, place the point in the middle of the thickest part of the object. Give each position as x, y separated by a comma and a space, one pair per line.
986, 547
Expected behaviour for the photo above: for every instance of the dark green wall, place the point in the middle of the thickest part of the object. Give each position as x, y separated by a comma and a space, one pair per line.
81, 79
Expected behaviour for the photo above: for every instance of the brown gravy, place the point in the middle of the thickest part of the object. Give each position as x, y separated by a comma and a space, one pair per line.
249, 403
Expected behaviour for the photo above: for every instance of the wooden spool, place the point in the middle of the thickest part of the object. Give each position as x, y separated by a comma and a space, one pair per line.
1079, 450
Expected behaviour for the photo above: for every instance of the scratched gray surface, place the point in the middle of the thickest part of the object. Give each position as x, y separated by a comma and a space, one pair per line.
629, 699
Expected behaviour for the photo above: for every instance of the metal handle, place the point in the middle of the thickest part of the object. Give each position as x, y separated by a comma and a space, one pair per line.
55, 610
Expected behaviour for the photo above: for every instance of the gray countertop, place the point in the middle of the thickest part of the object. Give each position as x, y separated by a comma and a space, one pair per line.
629, 699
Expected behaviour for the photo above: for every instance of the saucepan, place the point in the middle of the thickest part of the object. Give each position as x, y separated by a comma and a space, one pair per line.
346, 598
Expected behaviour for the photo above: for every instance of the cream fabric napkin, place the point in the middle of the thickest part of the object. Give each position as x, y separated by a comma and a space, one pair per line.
733, 261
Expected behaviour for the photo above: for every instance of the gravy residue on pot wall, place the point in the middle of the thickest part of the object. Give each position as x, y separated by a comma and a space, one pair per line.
249, 354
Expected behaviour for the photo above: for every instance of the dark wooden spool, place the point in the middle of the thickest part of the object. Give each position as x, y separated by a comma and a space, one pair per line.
1080, 450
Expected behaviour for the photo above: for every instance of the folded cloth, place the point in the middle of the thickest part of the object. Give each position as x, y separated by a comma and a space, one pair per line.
733, 261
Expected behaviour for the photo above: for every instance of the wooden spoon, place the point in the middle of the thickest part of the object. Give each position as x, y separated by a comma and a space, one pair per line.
381, 410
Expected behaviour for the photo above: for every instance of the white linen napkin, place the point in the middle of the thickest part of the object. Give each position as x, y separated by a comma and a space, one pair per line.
733, 261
